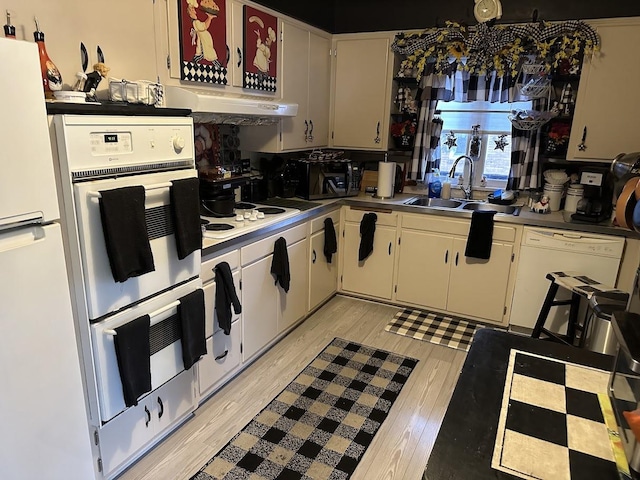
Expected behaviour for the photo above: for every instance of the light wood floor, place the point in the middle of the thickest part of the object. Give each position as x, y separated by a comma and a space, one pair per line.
400, 448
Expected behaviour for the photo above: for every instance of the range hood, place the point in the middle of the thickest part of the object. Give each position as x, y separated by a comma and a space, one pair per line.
215, 107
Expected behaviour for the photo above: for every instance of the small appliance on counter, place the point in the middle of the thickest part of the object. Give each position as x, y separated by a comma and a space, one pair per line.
624, 167
217, 194
597, 203
326, 178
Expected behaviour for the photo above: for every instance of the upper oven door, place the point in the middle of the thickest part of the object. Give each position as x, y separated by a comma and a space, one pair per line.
104, 295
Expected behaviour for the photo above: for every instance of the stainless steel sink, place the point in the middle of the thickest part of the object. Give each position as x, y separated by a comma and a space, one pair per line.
506, 209
434, 202
463, 205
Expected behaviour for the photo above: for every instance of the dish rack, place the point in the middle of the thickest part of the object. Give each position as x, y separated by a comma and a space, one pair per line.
529, 119
140, 91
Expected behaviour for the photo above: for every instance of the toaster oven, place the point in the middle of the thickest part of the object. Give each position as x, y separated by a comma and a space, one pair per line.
327, 178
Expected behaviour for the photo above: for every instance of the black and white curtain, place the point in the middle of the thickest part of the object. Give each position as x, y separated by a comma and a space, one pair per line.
460, 86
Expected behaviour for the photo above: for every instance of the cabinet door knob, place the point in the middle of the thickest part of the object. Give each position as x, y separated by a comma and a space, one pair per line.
310, 130
306, 131
313, 260
161, 405
582, 146
457, 255
148, 413
389, 248
446, 257
377, 139
228, 54
239, 57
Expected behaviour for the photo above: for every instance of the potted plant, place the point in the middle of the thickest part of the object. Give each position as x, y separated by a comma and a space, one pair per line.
404, 134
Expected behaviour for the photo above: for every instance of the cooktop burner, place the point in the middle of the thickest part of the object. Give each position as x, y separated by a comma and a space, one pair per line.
244, 206
217, 227
205, 212
270, 210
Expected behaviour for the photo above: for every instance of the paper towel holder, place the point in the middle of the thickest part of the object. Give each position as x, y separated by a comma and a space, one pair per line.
387, 175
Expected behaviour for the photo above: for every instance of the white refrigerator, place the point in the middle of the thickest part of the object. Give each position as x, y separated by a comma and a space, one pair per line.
44, 431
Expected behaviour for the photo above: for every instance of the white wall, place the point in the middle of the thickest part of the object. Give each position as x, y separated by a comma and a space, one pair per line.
124, 29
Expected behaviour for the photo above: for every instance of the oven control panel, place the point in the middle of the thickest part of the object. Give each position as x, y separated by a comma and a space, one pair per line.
104, 143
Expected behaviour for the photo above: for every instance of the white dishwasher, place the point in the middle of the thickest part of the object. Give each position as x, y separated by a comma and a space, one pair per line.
546, 250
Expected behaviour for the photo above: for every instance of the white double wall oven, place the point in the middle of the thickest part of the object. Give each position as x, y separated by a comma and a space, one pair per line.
99, 153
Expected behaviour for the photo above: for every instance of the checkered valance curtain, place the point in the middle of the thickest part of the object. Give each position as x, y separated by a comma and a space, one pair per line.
461, 86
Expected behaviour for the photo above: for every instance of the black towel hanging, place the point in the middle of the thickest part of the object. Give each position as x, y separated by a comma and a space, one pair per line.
480, 235
185, 211
280, 264
330, 241
125, 232
191, 315
367, 231
226, 296
133, 355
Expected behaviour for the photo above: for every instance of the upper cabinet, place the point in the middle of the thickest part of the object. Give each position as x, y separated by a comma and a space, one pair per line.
606, 105
306, 78
361, 91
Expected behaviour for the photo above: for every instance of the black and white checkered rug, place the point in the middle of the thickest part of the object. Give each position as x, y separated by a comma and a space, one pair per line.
433, 327
321, 424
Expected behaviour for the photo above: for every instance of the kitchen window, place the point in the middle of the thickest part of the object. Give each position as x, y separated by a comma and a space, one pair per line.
492, 162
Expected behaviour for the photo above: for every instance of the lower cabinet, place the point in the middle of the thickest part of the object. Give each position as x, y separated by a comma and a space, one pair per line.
224, 356
323, 276
374, 275
267, 309
433, 271
127, 435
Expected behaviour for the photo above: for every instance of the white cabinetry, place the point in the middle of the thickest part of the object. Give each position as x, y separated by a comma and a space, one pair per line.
361, 92
323, 276
433, 271
135, 429
609, 117
306, 79
267, 309
374, 275
224, 355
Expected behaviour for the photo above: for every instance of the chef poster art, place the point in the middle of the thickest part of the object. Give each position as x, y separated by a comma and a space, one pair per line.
203, 41
260, 50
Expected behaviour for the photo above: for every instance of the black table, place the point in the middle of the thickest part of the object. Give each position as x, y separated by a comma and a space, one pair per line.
465, 443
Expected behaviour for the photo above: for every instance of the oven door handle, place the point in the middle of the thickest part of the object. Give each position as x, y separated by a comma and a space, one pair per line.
155, 313
155, 186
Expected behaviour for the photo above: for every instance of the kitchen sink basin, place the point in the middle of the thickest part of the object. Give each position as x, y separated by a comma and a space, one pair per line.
507, 209
434, 202
463, 205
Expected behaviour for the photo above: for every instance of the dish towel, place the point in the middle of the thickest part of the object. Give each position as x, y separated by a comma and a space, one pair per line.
133, 354
480, 235
225, 296
191, 317
280, 264
125, 232
185, 210
367, 230
330, 242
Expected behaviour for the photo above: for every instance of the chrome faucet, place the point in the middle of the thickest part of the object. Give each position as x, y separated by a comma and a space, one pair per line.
452, 173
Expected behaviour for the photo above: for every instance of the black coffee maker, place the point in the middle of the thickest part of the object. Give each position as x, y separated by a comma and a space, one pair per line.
597, 204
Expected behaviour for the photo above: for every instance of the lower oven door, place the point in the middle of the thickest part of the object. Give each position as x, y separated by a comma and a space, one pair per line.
104, 295
165, 341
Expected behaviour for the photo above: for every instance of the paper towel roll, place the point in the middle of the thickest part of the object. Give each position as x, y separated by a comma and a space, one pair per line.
386, 179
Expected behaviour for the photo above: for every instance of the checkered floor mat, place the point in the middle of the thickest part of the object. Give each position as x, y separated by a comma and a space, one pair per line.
321, 424
434, 327
551, 422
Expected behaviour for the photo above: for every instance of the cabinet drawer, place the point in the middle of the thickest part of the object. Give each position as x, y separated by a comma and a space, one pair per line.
210, 317
208, 264
135, 428
433, 223
223, 356
385, 217
264, 247
317, 224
